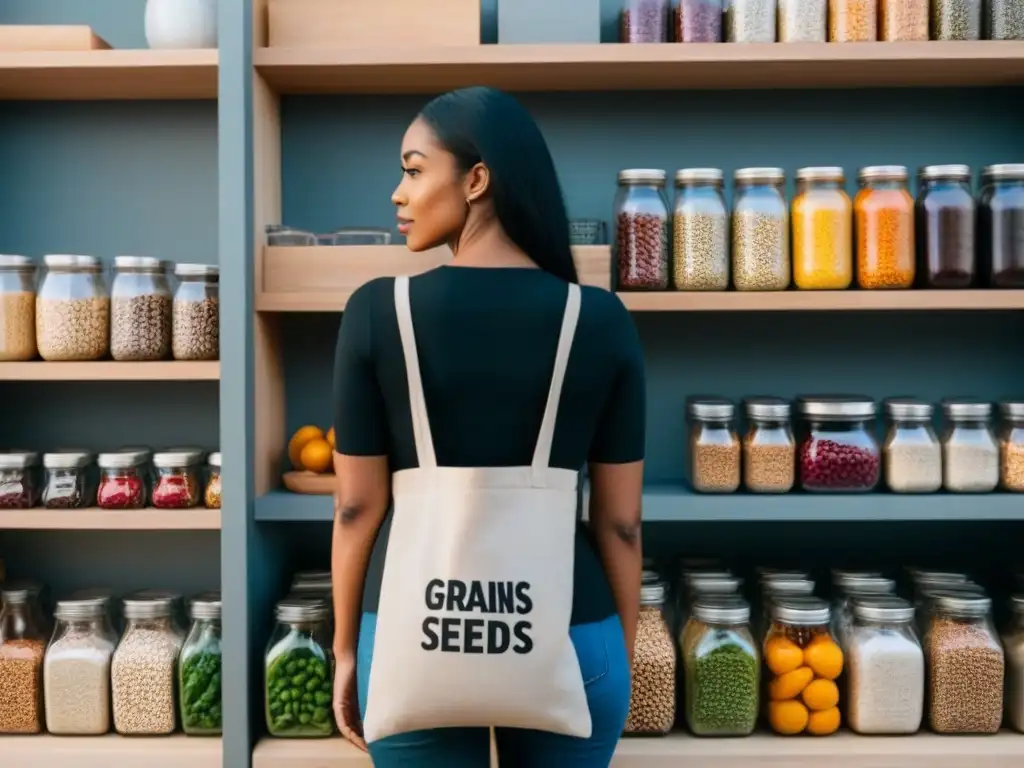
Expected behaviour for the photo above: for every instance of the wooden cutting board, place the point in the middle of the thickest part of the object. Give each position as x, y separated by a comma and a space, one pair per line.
34, 37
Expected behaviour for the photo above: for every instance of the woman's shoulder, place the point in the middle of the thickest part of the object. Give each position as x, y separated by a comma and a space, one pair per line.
601, 309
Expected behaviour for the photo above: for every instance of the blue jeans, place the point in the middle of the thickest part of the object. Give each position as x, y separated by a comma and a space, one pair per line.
601, 649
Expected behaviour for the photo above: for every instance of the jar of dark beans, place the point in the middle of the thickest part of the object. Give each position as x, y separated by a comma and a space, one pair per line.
697, 21
67, 480
1001, 223
177, 484
641, 231
19, 484
644, 21
945, 225
122, 480
838, 451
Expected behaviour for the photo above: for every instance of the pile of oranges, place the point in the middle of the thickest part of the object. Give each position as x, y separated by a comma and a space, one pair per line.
802, 691
311, 450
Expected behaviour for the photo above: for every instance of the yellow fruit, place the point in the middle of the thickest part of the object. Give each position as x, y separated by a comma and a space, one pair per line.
316, 456
782, 655
787, 717
298, 442
820, 695
790, 685
825, 722
330, 438
824, 657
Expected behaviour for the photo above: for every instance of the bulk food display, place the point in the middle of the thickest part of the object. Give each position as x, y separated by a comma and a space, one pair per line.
200, 668
652, 703
853, 21
22, 646
956, 19
1011, 446
19, 479
750, 21
644, 21
140, 309
903, 21
68, 485
884, 227
195, 331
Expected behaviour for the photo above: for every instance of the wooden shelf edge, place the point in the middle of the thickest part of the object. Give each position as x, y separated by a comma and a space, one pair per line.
823, 301
95, 519
110, 751
109, 370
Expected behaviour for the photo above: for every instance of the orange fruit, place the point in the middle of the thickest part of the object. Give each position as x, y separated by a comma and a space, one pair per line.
330, 438
790, 685
820, 695
825, 722
787, 717
782, 655
298, 442
316, 456
824, 657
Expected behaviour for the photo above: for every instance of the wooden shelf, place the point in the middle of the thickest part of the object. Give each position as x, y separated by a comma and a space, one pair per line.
109, 370
101, 75
96, 519
111, 751
823, 301
610, 67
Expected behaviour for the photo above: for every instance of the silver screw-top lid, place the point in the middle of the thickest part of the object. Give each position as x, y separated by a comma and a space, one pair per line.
923, 576
759, 175
99, 595
962, 588
649, 577
18, 459
966, 409
721, 612
782, 574
821, 173
156, 596
699, 176
72, 261
908, 409
196, 270
716, 585
640, 176
122, 459
214, 459
866, 585
962, 604
946, 172
1012, 409
140, 264
1017, 604
840, 573
16, 592
1004, 171
205, 606
788, 588
141, 608
689, 576
67, 460
767, 408
883, 173
301, 609
652, 594
801, 611
710, 408
70, 610
174, 459
836, 407
16, 262
888, 609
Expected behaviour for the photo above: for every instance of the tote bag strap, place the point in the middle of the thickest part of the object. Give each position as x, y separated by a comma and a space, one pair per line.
425, 457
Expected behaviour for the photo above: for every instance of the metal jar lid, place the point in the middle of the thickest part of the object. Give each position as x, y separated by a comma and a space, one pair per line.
140, 263
946, 172
18, 459
649, 577
1012, 409
99, 595
175, 459
784, 588
966, 409
16, 262
934, 591
962, 604
923, 575
759, 175
70, 610
156, 596
214, 459
841, 573
205, 606
301, 609
710, 408
699, 176
874, 585
689, 576
716, 585
782, 574
15, 593
1004, 171
908, 409
821, 173
196, 270
640, 176
72, 261
1017, 604
67, 460
652, 594
883, 173
719, 612
890, 609
767, 408
801, 611
141, 608
837, 407
121, 460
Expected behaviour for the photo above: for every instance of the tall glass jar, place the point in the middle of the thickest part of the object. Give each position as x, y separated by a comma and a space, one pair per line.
884, 226
76, 672
970, 452
211, 496
22, 646
697, 21
714, 445
853, 21
195, 321
956, 19
803, 21
839, 451
822, 231
17, 308
644, 21
912, 452
299, 661
641, 231
142, 671
965, 666
769, 449
1011, 446
72, 309
903, 21
140, 309
122, 481
700, 231
1004, 20
177, 484
1001, 222
652, 704
199, 669
68, 485
1013, 645
946, 227
750, 21
760, 231
19, 479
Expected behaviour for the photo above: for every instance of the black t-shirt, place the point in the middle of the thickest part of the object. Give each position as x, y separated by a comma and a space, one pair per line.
486, 339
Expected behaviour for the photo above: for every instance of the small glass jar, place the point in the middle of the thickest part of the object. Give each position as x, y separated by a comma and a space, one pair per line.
22, 647
122, 481
195, 321
1004, 20
750, 21
714, 445
883, 212
652, 704
72, 309
644, 21
177, 484
19, 483
140, 309
903, 21
803, 21
970, 452
298, 654
885, 673
850, 589
760, 231
68, 484
965, 666
641, 231
769, 449
199, 669
956, 19
946, 226
839, 451
76, 672
143, 670
1011, 446
17, 308
853, 21
1001, 222
912, 452
1013, 646
697, 21
822, 231
211, 497
700, 231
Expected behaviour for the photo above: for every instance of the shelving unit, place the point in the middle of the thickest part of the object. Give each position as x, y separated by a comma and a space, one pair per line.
169, 370
109, 751
97, 519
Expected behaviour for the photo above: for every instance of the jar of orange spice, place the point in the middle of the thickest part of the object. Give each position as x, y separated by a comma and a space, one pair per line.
884, 224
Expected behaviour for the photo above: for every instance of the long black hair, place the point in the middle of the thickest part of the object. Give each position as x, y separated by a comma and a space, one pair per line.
489, 126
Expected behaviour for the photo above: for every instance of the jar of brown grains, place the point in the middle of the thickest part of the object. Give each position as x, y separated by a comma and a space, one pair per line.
652, 703
195, 317
714, 446
641, 231
72, 309
700, 231
1011, 445
769, 449
22, 646
17, 308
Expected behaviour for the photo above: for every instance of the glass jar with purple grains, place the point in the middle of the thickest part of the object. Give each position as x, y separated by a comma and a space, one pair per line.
697, 21
838, 450
644, 21
641, 231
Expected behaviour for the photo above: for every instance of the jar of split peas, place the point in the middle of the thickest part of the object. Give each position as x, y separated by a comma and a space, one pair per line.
803, 661
884, 224
822, 231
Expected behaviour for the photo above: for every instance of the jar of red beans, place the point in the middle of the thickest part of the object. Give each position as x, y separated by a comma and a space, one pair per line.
839, 451
19, 485
177, 483
122, 480
68, 484
946, 223
641, 231
211, 497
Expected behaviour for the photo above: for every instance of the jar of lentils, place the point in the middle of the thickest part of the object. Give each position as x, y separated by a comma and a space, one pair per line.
68, 485
946, 220
970, 452
822, 231
211, 496
641, 231
750, 21
652, 703
697, 21
769, 449
177, 484
884, 214
760, 231
195, 322
853, 21
19, 479
903, 21
714, 446
140, 309
956, 19
72, 309
803, 21
1004, 20
17, 308
912, 452
700, 231
122, 480
1001, 222
22, 647
644, 21
1011, 446
839, 451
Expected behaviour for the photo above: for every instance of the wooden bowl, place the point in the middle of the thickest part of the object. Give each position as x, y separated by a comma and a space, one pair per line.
310, 482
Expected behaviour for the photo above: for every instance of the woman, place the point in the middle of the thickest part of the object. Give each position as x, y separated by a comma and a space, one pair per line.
478, 178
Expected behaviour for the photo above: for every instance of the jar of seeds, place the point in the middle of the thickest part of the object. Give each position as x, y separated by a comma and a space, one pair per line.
641, 231
1011, 446
946, 222
912, 454
970, 453
750, 21
803, 21
700, 231
211, 497
652, 703
1004, 20
68, 485
822, 230
956, 19
17, 308
22, 646
644, 21
196, 313
760, 231
697, 21
72, 309
714, 446
853, 21
769, 449
140, 309
1013, 644
903, 21
19, 482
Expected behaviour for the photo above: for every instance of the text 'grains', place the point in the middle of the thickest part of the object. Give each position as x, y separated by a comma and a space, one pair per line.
903, 20
140, 327
853, 21
644, 21
701, 251
73, 329
142, 675
21, 697
76, 679
1012, 465
196, 329
885, 678
642, 241
760, 251
913, 468
956, 19
965, 678
803, 21
17, 326
768, 468
750, 21
652, 703
968, 468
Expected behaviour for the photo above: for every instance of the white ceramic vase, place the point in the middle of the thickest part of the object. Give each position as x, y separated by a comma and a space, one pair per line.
181, 23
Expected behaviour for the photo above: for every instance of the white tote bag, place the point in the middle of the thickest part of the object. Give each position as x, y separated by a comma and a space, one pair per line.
476, 598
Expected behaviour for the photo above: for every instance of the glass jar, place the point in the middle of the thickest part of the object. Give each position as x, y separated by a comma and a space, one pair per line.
803, 661
803, 21
722, 668
104, 598
1004, 20
174, 602
76, 672
199, 669
851, 589
853, 21
195, 320
686, 589
769, 449
1013, 645
912, 452
697, 21
839, 451
22, 646
965, 666
298, 654
67, 480
1011, 446
641, 231
140, 309
903, 21
143, 667
970, 453
1001, 223
652, 704
956, 19
177, 483
714, 446
884, 669
700, 231
122, 481
17, 308
760, 231
644, 21
19, 484
945, 224
211, 497
822, 231
750, 21
72, 309
884, 225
